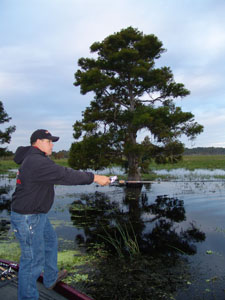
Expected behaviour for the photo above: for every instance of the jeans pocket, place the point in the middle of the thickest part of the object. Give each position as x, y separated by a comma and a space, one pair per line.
32, 222
19, 228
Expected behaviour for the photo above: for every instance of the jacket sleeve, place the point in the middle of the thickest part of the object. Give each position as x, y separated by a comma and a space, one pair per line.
47, 171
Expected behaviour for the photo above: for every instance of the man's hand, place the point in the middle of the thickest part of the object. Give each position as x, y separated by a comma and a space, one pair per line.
102, 180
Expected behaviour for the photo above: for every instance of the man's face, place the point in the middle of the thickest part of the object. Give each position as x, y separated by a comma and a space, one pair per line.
45, 145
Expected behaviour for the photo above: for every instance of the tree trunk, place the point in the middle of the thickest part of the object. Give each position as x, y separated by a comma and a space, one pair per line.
133, 168
133, 160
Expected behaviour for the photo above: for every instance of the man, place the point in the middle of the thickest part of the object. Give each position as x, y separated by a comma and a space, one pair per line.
31, 201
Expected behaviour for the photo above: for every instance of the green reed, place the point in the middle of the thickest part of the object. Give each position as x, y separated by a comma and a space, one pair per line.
122, 240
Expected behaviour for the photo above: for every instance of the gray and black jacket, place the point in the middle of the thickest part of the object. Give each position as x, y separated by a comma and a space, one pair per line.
36, 178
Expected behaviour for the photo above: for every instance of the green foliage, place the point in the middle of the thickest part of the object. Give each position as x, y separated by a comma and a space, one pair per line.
131, 94
93, 152
5, 135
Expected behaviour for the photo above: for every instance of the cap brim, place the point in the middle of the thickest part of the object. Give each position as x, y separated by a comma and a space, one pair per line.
54, 138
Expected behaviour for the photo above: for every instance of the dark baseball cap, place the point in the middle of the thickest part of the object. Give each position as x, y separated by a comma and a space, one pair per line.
42, 134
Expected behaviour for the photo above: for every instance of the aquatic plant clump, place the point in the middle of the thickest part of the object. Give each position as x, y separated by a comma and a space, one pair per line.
146, 278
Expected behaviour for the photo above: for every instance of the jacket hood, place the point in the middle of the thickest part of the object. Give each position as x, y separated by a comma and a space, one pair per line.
22, 152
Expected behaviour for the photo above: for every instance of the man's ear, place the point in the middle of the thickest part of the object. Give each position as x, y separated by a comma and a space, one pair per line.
36, 142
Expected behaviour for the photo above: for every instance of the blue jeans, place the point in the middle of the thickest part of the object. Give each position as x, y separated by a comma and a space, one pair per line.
38, 243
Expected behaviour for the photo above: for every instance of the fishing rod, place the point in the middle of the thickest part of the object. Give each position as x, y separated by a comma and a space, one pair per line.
115, 179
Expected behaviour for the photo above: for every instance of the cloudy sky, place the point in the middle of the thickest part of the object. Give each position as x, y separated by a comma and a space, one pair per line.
42, 40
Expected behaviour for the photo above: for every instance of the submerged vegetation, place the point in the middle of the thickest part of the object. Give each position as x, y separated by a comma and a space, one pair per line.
143, 278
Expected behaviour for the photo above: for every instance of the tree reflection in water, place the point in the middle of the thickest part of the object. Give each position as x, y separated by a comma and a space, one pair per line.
157, 268
155, 225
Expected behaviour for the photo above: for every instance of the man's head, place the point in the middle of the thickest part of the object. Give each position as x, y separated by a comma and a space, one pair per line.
43, 139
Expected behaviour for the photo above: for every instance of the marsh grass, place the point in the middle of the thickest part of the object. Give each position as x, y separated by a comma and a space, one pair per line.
191, 162
123, 240
62, 162
6, 165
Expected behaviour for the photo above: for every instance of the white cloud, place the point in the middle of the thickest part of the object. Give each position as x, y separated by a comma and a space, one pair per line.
41, 42
208, 42
200, 83
213, 119
214, 124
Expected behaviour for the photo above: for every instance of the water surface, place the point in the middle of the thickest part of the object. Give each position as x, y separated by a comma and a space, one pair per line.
79, 212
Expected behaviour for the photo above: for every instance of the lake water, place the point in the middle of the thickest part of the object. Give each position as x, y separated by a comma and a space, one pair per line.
190, 211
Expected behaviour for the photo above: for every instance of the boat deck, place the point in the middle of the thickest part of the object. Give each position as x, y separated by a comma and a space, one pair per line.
9, 292
9, 286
